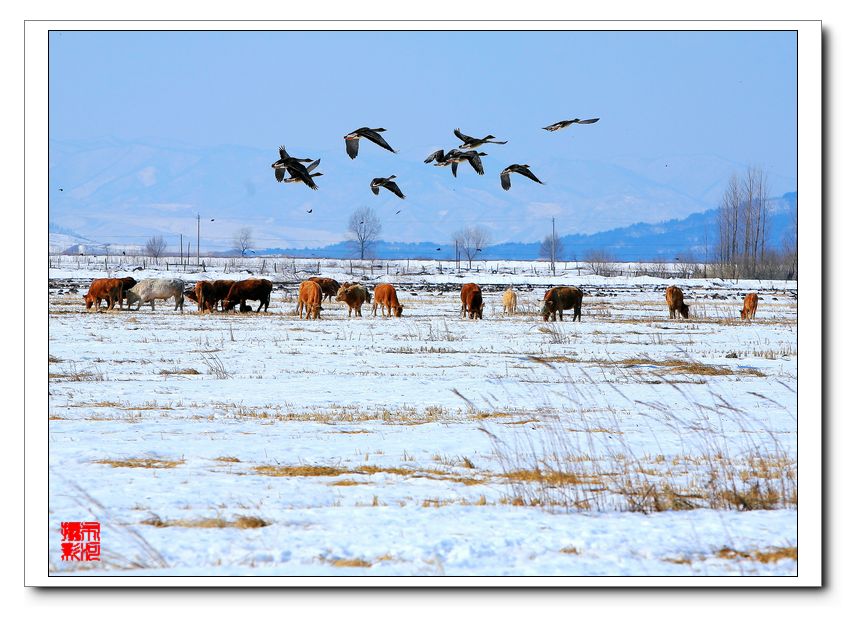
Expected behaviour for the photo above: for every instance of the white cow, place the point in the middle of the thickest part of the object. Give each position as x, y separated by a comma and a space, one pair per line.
148, 290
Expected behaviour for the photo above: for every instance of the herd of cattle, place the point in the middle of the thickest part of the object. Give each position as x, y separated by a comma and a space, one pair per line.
226, 294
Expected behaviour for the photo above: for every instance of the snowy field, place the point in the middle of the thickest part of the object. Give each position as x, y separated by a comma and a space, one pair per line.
262, 444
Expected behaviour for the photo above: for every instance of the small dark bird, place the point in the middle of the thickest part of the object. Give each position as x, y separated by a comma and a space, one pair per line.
516, 168
310, 169
478, 250
212, 219
473, 142
61, 190
387, 183
437, 249
310, 210
372, 134
397, 211
565, 123
472, 157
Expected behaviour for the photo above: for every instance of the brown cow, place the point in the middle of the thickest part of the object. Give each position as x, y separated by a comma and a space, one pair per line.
309, 300
329, 287
675, 302
509, 301
385, 295
191, 295
221, 289
205, 295
110, 290
558, 299
248, 289
750, 306
471, 300
354, 295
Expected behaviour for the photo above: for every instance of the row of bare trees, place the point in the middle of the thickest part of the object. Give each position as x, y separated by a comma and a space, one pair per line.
743, 229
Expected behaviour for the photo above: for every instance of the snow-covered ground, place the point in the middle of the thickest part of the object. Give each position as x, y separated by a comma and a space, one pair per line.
261, 444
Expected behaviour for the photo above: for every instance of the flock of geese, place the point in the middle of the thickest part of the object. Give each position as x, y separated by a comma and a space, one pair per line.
299, 173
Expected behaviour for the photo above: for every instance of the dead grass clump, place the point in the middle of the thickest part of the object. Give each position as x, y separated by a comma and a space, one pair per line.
569, 550
141, 463
754, 497
550, 477
180, 371
231, 460
765, 556
353, 563
53, 360
348, 482
241, 522
300, 471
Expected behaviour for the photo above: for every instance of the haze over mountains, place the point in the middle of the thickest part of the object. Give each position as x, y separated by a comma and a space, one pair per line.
122, 192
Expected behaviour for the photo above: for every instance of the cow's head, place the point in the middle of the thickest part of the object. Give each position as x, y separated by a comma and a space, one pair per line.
398, 310
342, 294
684, 310
547, 310
229, 305
89, 300
128, 282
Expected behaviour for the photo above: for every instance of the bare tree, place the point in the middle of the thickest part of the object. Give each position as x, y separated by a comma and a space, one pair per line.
471, 240
155, 246
547, 248
364, 227
600, 262
243, 240
743, 224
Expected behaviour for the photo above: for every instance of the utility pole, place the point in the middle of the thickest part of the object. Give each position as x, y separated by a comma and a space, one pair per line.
198, 239
553, 246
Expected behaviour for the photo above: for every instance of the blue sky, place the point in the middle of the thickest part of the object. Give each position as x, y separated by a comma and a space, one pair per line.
663, 98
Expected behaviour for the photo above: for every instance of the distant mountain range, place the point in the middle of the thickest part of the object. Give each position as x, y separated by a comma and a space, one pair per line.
688, 238
122, 192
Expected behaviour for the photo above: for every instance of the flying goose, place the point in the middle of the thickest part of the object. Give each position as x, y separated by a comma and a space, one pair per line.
516, 168
440, 158
471, 156
310, 169
565, 123
474, 142
372, 134
387, 183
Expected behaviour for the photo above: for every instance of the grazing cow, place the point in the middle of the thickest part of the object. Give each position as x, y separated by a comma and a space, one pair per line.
385, 295
509, 301
329, 287
221, 290
675, 302
204, 295
558, 299
148, 290
110, 290
128, 282
192, 295
248, 289
750, 306
471, 301
354, 295
309, 300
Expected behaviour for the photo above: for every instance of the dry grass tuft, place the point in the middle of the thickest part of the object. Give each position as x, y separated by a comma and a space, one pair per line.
141, 463
766, 556
353, 563
241, 522
570, 550
550, 477
348, 482
231, 460
180, 371
300, 471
